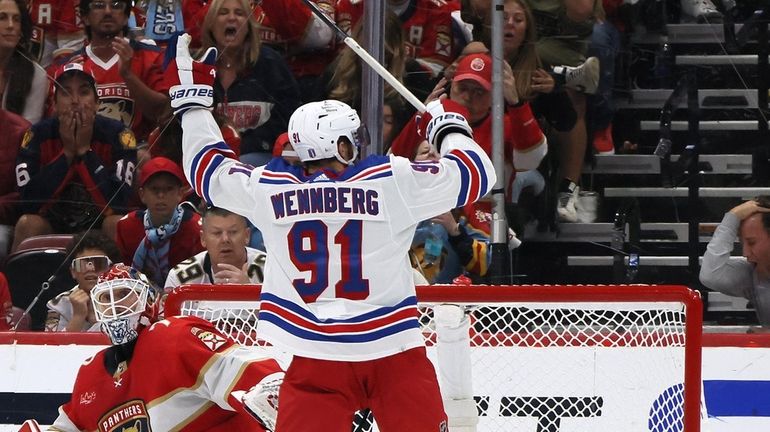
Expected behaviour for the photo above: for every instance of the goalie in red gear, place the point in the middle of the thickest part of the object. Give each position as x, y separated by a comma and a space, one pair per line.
180, 373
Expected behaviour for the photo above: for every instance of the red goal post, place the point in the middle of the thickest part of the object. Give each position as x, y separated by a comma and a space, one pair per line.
544, 358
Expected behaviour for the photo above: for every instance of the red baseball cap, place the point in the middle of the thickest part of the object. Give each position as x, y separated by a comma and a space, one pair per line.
157, 165
476, 67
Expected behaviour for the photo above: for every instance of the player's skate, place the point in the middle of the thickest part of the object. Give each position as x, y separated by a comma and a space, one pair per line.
262, 400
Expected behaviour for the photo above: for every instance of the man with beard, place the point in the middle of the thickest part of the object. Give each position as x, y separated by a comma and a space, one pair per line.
127, 73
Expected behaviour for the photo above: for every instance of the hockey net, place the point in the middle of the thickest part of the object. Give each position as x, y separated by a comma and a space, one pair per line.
543, 358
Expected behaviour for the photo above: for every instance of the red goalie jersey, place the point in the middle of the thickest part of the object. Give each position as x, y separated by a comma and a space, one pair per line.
183, 375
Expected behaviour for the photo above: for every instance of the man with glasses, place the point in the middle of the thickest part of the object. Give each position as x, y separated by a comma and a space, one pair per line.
127, 74
92, 253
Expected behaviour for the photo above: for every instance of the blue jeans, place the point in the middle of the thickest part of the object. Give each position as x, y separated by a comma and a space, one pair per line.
605, 45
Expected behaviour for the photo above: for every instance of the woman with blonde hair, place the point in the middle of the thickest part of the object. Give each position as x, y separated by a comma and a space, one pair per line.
254, 88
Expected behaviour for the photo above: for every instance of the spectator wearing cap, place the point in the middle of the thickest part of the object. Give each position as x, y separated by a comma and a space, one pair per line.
524, 142
23, 83
164, 234
92, 253
128, 73
74, 170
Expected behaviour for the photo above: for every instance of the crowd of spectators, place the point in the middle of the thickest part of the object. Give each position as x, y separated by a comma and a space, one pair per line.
88, 134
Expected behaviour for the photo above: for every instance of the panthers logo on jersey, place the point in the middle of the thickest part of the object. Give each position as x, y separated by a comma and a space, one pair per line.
128, 417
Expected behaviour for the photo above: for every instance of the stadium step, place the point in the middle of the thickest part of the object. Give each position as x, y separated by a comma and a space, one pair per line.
685, 34
603, 232
716, 60
650, 164
744, 193
708, 99
704, 125
644, 261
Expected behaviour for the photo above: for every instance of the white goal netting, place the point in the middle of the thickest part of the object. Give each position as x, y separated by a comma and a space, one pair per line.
546, 359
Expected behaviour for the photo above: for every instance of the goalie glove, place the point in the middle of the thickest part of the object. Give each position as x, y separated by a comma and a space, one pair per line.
442, 117
262, 400
190, 82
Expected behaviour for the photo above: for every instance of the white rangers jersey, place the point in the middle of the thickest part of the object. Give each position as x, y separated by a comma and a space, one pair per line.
338, 284
197, 269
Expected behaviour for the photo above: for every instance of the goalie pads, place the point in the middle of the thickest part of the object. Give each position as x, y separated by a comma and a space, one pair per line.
262, 400
454, 366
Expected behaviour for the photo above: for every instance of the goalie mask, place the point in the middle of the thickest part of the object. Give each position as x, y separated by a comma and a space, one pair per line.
120, 298
316, 127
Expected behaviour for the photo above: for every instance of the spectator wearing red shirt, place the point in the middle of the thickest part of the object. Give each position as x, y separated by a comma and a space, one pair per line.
156, 239
524, 142
426, 23
127, 73
57, 30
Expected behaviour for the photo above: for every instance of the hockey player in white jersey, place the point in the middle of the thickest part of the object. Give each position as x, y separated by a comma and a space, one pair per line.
338, 290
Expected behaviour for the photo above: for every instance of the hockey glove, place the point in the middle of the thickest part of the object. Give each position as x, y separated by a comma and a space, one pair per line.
442, 117
262, 400
189, 81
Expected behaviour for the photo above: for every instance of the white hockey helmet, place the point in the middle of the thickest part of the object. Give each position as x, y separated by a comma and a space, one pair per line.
120, 298
316, 127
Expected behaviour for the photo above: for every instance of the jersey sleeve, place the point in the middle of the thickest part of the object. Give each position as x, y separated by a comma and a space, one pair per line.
211, 168
63, 423
463, 174
222, 366
529, 146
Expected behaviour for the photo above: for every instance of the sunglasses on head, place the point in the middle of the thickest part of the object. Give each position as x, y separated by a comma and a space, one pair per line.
100, 4
97, 263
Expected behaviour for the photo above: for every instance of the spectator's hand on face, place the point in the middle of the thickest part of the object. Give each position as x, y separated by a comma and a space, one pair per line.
79, 300
509, 85
748, 208
67, 131
437, 91
84, 119
230, 274
542, 81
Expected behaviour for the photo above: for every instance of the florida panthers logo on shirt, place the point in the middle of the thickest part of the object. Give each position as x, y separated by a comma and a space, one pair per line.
115, 102
128, 417
211, 340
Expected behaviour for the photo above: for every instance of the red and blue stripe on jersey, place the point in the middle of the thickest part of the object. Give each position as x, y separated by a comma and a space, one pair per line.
205, 163
473, 176
278, 172
372, 326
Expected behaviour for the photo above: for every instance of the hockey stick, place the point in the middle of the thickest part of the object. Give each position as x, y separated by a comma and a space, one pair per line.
381, 71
